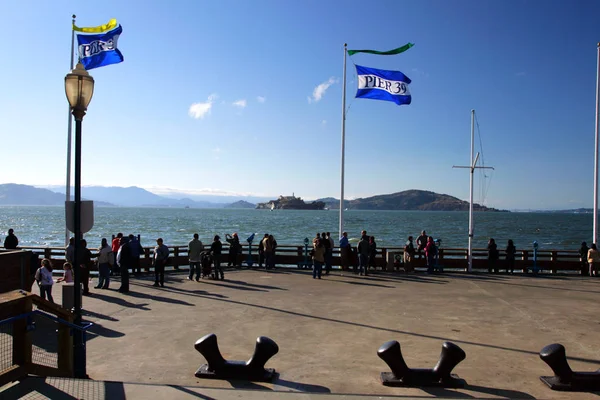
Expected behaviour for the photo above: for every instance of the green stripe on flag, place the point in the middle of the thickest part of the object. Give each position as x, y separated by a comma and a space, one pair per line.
384, 53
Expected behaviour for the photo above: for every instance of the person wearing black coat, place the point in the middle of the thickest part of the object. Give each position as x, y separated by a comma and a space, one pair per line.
492, 256
11, 241
216, 249
125, 257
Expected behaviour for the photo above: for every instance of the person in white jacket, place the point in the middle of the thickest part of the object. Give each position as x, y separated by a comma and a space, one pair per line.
43, 276
105, 261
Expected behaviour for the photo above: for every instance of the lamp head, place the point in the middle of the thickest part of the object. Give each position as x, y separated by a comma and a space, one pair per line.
79, 88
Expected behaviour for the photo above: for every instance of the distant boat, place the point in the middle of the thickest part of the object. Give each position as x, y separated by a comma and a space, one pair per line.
345, 209
186, 207
272, 206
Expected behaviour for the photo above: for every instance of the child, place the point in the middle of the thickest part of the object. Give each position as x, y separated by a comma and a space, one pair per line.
43, 276
68, 274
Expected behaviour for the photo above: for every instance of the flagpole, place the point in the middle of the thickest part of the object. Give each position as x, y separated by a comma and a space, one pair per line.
69, 131
343, 145
470, 251
595, 234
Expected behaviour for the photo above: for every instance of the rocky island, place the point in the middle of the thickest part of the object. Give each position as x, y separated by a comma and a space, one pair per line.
291, 203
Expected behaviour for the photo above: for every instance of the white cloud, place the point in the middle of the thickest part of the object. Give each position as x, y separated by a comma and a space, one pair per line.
261, 99
202, 109
320, 90
324, 122
240, 103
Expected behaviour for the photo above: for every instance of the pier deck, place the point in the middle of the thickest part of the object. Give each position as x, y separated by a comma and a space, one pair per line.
329, 330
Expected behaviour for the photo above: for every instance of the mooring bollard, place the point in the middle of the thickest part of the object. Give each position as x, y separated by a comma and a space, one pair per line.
564, 378
440, 376
219, 368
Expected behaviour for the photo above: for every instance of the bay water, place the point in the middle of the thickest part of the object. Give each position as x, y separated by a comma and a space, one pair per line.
45, 226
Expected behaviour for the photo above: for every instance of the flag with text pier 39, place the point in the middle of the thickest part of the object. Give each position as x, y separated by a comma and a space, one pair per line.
99, 50
379, 84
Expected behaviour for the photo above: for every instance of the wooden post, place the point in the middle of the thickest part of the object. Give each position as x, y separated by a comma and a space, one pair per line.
21, 337
553, 258
147, 258
175, 256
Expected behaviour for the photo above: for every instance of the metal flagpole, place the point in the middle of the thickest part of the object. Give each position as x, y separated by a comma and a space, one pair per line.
595, 235
472, 167
69, 131
473, 163
343, 145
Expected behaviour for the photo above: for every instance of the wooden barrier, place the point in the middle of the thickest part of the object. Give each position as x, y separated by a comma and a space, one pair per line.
17, 303
451, 258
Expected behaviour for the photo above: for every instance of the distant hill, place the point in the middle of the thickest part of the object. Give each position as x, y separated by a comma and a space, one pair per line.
24, 195
240, 204
415, 200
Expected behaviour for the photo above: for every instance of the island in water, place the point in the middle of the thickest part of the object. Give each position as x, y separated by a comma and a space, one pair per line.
291, 203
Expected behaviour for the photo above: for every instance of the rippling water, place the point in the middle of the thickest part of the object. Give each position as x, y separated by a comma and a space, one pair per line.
45, 226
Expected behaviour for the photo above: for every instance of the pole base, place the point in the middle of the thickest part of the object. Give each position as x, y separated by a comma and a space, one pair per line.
268, 375
389, 379
554, 383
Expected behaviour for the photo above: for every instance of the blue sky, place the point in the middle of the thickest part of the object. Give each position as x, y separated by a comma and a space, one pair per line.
221, 97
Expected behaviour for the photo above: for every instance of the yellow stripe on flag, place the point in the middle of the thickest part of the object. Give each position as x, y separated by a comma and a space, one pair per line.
112, 24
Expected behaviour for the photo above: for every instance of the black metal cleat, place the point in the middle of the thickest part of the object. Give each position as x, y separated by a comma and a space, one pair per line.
564, 378
439, 376
251, 370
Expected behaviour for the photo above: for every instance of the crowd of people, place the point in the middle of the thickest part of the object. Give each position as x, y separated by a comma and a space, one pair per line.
123, 254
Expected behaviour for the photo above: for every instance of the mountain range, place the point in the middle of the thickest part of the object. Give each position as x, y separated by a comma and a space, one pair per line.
15, 194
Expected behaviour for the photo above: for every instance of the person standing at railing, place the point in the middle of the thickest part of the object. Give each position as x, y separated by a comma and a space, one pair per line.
136, 251
331, 246
583, 252
215, 250
105, 259
195, 247
235, 248
43, 276
11, 241
318, 255
273, 251
268, 250
345, 251
328, 252
593, 260
422, 242
409, 254
116, 244
70, 251
161, 255
493, 256
84, 263
430, 253
261, 251
125, 261
363, 254
510, 257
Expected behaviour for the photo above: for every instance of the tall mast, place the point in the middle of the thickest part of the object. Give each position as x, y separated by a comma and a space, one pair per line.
343, 145
595, 234
472, 166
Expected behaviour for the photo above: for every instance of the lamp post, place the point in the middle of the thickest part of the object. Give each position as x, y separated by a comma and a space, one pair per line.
79, 88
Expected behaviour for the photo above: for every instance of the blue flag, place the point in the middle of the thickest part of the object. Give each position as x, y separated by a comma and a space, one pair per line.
385, 85
99, 50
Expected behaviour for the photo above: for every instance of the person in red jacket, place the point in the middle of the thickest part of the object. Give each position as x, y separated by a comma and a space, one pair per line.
116, 245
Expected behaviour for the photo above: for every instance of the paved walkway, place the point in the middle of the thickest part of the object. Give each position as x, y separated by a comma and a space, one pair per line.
329, 330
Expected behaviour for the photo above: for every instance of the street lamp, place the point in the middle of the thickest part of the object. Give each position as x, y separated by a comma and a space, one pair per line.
79, 88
